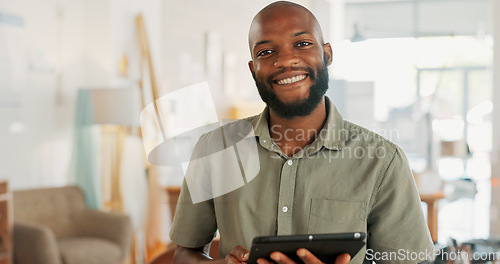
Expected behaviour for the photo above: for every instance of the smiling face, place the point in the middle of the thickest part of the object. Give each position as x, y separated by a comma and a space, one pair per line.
289, 60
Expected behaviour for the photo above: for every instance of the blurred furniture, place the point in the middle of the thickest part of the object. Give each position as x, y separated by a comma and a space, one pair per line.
54, 226
5, 224
246, 109
432, 201
107, 122
97, 158
117, 111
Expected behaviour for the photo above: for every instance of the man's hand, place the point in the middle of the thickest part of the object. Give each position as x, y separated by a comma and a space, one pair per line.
305, 255
237, 255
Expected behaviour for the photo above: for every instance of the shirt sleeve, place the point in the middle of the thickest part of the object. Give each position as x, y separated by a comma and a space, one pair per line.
195, 223
397, 230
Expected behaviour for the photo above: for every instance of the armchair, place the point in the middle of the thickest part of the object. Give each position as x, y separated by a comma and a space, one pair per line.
54, 226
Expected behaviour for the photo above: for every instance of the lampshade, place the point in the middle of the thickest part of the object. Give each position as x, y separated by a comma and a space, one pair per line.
111, 106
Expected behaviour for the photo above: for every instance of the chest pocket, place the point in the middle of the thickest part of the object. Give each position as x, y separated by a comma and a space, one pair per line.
335, 216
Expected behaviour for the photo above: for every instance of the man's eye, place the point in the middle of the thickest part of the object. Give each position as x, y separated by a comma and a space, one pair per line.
264, 53
304, 43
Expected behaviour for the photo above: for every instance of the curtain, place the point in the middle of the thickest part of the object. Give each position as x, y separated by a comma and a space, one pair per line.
85, 167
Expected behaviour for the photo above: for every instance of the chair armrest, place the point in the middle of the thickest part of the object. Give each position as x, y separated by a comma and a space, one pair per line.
35, 244
113, 226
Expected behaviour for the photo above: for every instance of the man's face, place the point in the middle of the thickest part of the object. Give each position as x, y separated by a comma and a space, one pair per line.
289, 61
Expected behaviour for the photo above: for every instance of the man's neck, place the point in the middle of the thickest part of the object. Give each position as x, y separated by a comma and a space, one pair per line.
292, 135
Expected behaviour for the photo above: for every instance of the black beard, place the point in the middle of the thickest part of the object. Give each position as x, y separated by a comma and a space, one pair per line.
302, 107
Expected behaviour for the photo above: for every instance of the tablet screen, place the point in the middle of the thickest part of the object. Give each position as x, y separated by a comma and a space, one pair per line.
324, 246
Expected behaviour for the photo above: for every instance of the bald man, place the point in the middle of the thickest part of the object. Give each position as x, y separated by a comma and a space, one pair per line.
318, 173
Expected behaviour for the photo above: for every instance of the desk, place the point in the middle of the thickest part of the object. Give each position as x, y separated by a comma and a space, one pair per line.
432, 201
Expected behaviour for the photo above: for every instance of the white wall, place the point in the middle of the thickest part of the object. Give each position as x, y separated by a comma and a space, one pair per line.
63, 45
110, 33
35, 135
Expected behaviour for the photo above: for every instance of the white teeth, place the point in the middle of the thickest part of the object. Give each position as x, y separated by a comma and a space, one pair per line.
294, 79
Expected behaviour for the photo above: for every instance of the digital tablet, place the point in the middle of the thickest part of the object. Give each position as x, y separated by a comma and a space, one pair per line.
324, 246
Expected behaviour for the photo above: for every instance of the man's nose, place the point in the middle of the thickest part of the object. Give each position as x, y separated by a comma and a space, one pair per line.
286, 59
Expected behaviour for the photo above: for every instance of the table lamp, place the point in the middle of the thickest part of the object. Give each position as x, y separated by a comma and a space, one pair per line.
117, 111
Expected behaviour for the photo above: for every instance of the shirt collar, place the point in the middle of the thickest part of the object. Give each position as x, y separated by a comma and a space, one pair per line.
331, 136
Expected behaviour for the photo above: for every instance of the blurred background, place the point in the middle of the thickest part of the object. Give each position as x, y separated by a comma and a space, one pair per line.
423, 73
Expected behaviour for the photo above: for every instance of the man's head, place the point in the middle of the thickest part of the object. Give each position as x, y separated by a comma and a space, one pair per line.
289, 58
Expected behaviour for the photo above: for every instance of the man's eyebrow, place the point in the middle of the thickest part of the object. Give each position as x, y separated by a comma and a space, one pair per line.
261, 42
300, 33
268, 41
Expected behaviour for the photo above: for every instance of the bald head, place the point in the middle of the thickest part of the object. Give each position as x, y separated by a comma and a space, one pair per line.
289, 59
279, 14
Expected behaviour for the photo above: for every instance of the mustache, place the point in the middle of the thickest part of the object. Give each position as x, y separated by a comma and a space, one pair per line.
309, 71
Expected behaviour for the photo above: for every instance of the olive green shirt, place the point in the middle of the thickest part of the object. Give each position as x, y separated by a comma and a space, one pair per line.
349, 179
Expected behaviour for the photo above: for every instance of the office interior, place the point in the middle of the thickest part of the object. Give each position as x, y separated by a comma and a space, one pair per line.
79, 78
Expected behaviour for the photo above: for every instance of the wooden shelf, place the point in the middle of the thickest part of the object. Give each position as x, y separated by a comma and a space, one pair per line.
5, 224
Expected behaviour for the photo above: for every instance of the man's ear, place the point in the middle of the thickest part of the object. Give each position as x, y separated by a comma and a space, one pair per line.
327, 49
250, 66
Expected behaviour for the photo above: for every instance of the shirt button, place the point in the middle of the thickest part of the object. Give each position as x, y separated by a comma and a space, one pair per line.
264, 141
284, 209
290, 162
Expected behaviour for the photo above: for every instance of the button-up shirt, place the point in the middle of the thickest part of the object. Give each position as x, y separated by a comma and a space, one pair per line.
349, 179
